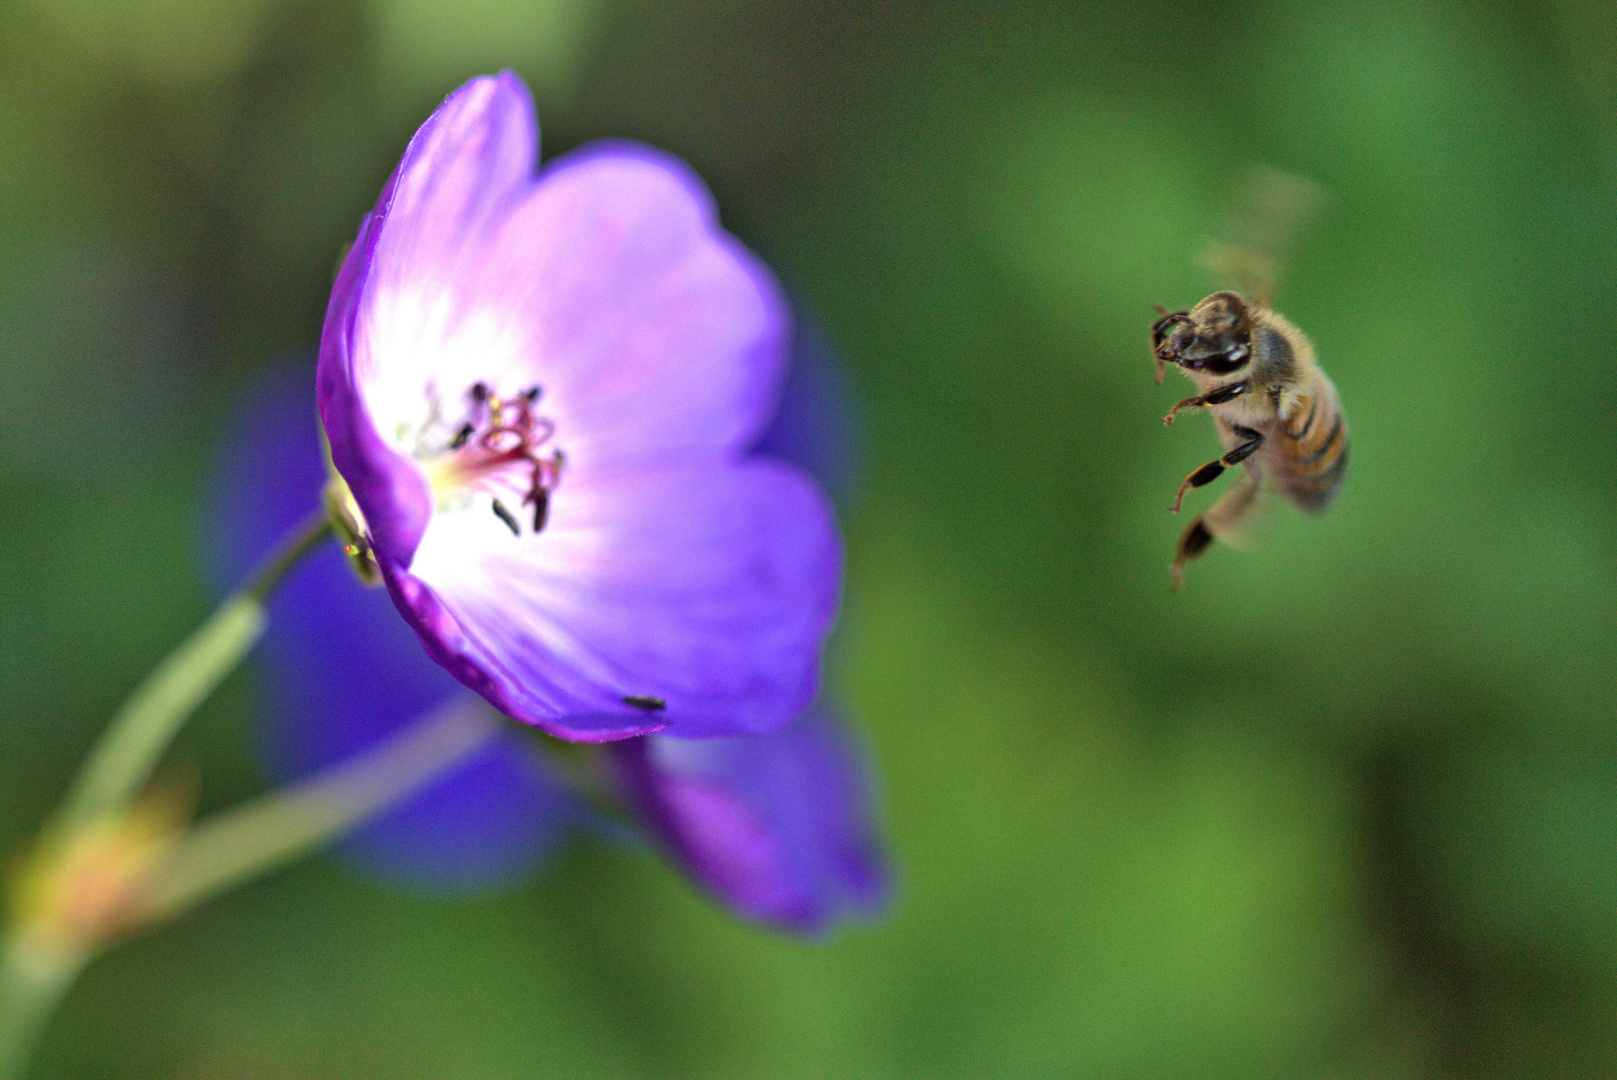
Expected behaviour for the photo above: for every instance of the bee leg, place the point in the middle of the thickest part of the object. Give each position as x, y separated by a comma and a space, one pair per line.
1217, 397
1195, 540
1159, 330
1215, 468
1220, 521
1188, 403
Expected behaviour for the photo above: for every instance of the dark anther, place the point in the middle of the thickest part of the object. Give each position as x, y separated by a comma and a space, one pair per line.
541, 507
530, 395
505, 515
462, 436
650, 704
480, 391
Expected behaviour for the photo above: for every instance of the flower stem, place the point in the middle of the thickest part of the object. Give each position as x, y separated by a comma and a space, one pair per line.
30, 989
33, 980
248, 841
122, 762
244, 843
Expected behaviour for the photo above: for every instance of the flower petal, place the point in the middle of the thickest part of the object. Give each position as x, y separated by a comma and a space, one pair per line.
653, 333
779, 827
710, 589
609, 285
819, 425
459, 175
457, 184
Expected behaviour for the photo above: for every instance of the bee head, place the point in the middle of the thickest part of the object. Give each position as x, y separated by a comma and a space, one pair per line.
1215, 336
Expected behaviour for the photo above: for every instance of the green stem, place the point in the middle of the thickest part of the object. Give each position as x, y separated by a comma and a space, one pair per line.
33, 980
242, 844
122, 762
245, 843
248, 841
31, 986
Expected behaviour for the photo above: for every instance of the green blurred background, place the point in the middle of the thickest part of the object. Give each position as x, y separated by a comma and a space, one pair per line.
1346, 807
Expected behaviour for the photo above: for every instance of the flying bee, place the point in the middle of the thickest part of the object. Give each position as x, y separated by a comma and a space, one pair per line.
1275, 409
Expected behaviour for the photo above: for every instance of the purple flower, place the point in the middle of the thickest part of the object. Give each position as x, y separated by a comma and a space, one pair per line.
779, 827
540, 391
342, 671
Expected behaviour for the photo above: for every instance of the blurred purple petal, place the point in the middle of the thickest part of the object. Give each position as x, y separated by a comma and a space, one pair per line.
818, 425
781, 828
343, 671
539, 391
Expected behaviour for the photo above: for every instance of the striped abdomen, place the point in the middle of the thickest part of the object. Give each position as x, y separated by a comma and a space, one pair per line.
1308, 454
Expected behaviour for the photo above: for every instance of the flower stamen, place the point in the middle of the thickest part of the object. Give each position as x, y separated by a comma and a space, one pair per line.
505, 515
501, 434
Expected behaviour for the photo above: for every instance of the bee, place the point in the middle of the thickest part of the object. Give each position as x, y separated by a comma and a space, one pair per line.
1275, 409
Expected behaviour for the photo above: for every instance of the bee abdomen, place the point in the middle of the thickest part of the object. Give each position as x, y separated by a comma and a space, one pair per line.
1312, 472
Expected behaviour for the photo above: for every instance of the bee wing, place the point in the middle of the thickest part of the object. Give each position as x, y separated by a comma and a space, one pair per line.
1238, 515
1268, 215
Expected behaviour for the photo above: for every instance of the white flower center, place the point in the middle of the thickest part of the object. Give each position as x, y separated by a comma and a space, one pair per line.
493, 451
